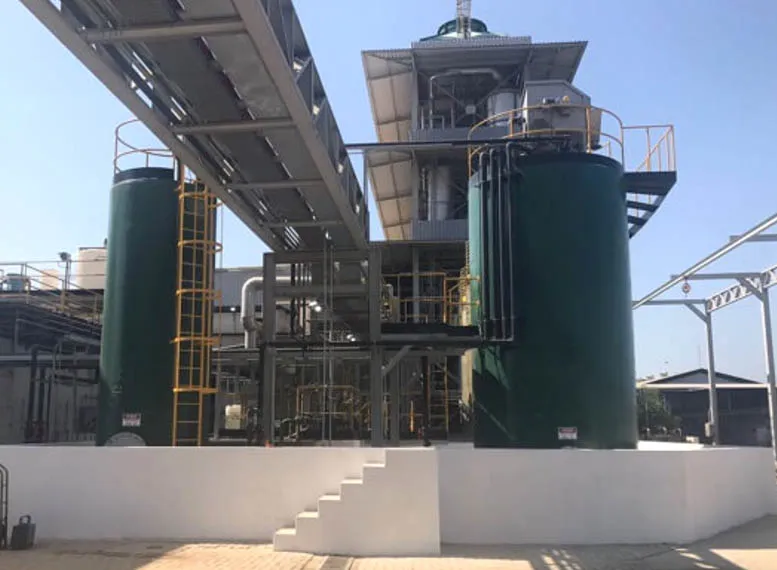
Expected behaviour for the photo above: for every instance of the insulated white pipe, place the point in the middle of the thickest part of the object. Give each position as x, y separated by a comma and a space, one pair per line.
248, 306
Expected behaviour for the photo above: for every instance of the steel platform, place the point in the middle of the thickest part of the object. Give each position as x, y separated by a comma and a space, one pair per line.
231, 88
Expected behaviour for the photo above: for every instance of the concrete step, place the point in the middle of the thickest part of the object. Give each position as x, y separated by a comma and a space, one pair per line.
285, 540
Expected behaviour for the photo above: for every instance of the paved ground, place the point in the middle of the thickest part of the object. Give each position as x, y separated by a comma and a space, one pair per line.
751, 547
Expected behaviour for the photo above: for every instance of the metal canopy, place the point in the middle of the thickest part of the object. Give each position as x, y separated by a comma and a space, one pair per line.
391, 80
231, 88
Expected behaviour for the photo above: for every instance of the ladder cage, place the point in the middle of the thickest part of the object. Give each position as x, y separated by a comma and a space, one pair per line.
196, 295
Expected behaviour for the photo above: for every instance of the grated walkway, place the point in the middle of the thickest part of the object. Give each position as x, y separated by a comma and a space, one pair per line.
750, 547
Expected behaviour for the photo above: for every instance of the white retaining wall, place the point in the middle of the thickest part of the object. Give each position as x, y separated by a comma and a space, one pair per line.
172, 493
663, 493
485, 496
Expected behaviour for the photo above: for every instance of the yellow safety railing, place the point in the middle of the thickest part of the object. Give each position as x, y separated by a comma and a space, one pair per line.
592, 137
459, 303
444, 298
659, 140
193, 380
50, 285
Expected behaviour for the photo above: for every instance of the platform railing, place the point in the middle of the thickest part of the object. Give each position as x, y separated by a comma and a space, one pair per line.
659, 141
49, 285
595, 131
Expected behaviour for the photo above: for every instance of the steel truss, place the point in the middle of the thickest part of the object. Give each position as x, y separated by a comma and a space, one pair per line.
748, 284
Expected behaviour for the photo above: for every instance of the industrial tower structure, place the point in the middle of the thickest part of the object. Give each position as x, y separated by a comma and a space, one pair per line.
458, 116
501, 300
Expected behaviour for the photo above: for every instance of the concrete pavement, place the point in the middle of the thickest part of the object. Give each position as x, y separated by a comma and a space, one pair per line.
750, 547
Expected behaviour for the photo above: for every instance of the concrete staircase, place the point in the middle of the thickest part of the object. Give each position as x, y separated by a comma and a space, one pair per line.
392, 509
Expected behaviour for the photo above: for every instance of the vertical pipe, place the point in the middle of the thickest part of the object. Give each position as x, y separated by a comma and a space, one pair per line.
492, 215
31, 394
483, 250
499, 213
770, 373
510, 260
711, 380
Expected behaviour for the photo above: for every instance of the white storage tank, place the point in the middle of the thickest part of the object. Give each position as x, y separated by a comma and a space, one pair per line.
89, 268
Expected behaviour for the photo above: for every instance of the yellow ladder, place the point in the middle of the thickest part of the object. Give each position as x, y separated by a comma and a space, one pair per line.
195, 297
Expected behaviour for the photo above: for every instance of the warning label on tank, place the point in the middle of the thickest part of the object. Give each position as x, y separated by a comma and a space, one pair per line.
130, 420
567, 434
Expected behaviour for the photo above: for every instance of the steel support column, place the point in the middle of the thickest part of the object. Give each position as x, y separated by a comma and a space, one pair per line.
770, 373
713, 415
268, 337
395, 397
711, 380
376, 362
416, 287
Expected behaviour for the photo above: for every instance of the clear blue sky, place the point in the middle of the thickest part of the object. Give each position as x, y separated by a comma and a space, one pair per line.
705, 65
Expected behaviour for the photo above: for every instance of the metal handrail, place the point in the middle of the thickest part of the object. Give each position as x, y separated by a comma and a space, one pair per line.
658, 157
46, 289
123, 149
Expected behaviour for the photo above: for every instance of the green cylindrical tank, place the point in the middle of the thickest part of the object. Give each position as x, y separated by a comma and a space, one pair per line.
136, 357
549, 241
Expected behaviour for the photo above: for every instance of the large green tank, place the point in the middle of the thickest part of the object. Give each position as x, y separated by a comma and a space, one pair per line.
136, 357
550, 244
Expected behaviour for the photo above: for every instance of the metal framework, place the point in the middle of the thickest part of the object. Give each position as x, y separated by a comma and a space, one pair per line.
231, 88
748, 284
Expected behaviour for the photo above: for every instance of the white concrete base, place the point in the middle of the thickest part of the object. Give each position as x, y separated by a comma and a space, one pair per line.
659, 493
392, 509
366, 501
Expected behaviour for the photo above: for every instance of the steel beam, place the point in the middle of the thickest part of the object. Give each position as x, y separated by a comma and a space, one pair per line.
165, 32
395, 359
266, 42
232, 127
106, 71
719, 276
316, 256
717, 254
277, 185
659, 302
345, 290
730, 295
761, 237
303, 224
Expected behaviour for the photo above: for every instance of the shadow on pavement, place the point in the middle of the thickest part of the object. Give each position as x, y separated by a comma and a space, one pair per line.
752, 546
